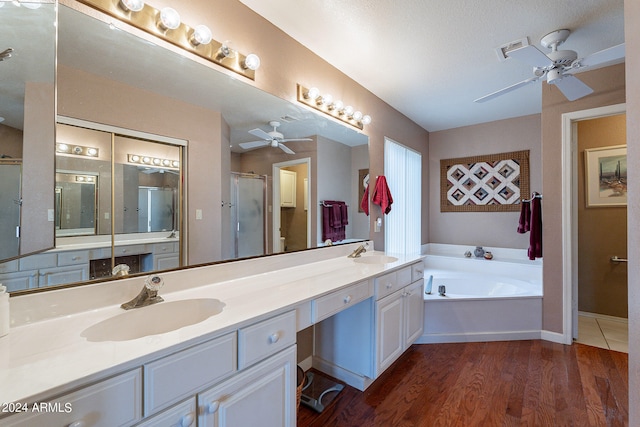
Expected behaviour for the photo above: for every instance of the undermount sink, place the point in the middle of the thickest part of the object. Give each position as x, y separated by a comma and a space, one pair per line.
154, 319
376, 259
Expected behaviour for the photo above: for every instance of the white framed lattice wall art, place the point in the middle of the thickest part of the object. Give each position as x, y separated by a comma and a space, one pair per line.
485, 183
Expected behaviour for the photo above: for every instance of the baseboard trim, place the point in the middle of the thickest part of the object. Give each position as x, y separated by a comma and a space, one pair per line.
306, 364
478, 337
354, 380
554, 337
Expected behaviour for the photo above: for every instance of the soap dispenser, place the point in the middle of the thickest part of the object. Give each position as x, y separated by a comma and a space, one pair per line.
429, 285
4, 311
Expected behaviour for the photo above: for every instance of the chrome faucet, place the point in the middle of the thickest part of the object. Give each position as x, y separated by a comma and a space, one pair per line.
359, 251
148, 295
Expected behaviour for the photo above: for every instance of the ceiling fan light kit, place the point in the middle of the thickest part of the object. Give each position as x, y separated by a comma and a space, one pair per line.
558, 66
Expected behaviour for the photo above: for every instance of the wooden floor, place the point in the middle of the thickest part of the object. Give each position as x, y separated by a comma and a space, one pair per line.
515, 383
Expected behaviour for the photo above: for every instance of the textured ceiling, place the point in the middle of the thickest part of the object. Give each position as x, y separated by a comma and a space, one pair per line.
430, 59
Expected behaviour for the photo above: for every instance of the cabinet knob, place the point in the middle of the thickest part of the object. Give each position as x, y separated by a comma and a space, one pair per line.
212, 407
273, 338
75, 258
389, 285
186, 420
347, 299
420, 271
78, 423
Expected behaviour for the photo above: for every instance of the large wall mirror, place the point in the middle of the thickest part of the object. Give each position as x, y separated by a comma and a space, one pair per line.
112, 79
27, 106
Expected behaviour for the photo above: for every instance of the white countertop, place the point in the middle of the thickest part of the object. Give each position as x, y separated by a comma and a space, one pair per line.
49, 357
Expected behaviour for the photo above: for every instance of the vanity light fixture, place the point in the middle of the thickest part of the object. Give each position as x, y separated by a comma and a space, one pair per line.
157, 162
78, 150
166, 25
86, 178
311, 97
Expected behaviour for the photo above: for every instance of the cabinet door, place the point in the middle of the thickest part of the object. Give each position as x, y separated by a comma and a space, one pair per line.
389, 326
413, 312
263, 395
166, 261
287, 188
60, 275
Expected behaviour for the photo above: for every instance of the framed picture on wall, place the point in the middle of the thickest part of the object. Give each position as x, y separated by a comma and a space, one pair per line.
606, 176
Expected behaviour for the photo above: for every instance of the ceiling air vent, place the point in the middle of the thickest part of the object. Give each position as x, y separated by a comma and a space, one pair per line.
501, 51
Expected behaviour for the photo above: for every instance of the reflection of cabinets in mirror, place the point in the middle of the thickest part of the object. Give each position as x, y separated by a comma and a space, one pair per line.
62, 267
287, 188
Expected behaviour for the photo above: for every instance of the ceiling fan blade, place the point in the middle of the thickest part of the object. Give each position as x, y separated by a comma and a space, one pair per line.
296, 139
572, 88
531, 55
506, 90
614, 53
253, 144
260, 134
286, 149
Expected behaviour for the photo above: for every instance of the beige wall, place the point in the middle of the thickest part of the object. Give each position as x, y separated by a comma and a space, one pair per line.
602, 231
11, 142
497, 229
632, 40
609, 89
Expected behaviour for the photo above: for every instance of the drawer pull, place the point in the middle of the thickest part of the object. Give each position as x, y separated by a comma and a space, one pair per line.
389, 285
347, 299
186, 420
124, 251
212, 407
420, 271
78, 423
273, 338
75, 258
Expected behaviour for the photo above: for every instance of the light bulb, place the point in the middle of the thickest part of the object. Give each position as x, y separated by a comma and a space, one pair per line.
157, 162
226, 51
326, 100
146, 159
357, 116
175, 163
169, 18
132, 5
252, 62
201, 35
366, 119
92, 151
348, 110
338, 105
313, 93
135, 158
63, 148
166, 162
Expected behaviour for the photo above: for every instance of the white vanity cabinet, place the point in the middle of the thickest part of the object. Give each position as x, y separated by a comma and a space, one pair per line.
263, 395
114, 402
358, 344
183, 414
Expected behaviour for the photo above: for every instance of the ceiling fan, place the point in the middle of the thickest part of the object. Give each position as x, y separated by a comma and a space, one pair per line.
273, 139
558, 66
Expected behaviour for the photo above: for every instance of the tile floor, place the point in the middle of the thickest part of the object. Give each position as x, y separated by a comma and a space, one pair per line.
603, 331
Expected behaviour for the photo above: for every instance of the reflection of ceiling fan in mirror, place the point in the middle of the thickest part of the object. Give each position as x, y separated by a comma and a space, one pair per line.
558, 66
273, 139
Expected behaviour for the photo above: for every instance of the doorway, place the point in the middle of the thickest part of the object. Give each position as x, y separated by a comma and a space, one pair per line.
589, 274
291, 205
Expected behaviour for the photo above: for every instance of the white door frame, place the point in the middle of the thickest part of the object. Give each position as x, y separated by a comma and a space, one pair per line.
275, 244
570, 212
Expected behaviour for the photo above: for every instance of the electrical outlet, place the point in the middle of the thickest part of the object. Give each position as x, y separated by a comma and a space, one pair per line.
50, 215
198, 213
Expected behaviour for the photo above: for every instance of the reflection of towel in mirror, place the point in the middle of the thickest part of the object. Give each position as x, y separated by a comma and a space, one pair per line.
364, 203
381, 194
334, 220
524, 224
535, 239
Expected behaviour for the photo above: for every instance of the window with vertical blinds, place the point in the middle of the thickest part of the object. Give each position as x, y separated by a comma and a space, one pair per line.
403, 169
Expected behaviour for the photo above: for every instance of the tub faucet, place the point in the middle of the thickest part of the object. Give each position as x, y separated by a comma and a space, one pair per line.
148, 295
359, 251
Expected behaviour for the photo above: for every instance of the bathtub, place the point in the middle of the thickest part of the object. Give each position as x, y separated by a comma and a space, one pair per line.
485, 300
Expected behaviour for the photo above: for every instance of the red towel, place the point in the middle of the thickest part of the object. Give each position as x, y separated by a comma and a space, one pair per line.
364, 203
524, 224
381, 194
535, 238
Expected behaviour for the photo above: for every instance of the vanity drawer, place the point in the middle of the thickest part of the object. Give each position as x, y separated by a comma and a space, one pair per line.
385, 284
165, 248
263, 339
403, 276
72, 258
417, 271
174, 377
129, 250
113, 402
329, 305
9, 267
35, 262
181, 414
